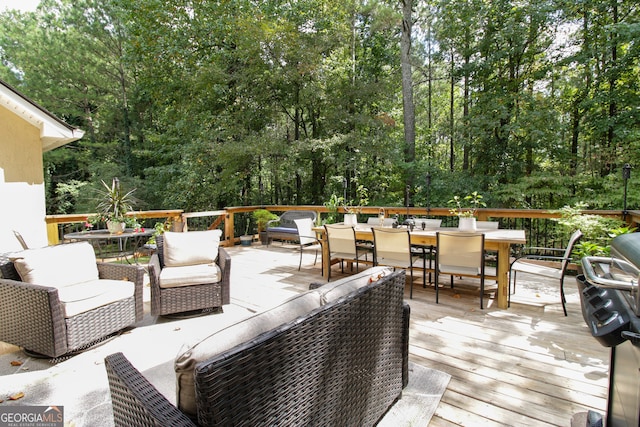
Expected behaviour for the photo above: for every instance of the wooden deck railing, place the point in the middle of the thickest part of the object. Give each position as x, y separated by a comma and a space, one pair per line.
232, 220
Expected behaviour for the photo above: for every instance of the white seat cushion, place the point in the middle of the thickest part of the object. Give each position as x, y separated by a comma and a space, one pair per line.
191, 248
82, 297
172, 277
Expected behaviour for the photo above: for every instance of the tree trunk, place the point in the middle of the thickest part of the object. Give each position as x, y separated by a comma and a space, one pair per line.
451, 121
407, 92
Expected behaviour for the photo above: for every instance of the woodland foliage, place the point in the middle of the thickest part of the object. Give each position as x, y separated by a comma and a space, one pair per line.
205, 104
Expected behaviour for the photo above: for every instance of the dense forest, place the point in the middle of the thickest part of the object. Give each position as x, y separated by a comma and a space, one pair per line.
202, 104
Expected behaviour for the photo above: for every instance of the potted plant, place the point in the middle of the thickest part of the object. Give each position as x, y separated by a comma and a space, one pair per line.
466, 208
113, 205
352, 210
246, 238
332, 206
262, 217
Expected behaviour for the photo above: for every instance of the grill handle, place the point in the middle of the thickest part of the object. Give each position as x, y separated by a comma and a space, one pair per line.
590, 274
631, 336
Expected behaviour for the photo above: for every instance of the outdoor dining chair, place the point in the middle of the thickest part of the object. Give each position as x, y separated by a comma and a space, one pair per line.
426, 252
341, 241
392, 247
307, 238
460, 254
426, 223
532, 263
375, 221
489, 225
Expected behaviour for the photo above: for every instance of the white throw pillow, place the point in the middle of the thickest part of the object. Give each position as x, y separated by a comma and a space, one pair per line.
57, 266
191, 248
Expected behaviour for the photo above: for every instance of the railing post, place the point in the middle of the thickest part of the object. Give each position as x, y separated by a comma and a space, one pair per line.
228, 228
53, 234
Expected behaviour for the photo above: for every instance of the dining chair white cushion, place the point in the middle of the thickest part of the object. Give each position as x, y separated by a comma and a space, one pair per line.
530, 266
305, 231
460, 253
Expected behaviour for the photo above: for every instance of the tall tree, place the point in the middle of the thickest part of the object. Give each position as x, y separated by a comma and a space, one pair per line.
408, 107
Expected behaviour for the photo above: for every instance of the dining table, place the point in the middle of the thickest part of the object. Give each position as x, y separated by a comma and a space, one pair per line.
498, 240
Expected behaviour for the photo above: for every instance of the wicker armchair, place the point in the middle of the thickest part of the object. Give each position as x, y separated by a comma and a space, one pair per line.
32, 316
344, 363
182, 299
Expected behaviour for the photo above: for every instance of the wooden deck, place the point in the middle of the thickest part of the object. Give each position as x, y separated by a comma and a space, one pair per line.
528, 365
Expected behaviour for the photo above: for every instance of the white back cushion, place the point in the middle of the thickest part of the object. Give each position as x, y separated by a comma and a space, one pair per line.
57, 266
191, 248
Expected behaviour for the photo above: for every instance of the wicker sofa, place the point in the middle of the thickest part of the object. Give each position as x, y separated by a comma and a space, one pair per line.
58, 299
189, 272
335, 355
284, 227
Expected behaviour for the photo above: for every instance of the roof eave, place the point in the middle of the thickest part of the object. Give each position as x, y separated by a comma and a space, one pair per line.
54, 132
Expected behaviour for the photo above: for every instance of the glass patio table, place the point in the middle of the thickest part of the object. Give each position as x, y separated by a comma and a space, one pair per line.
108, 245
499, 240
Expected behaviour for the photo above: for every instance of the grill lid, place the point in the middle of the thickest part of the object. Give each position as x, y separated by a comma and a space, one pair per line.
627, 247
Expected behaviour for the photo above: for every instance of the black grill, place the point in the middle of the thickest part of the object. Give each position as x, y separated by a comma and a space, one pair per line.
611, 309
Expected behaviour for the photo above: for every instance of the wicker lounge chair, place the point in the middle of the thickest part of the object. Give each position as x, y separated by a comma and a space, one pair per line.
342, 363
186, 293
45, 318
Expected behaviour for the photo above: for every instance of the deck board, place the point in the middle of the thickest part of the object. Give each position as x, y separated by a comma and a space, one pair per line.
527, 365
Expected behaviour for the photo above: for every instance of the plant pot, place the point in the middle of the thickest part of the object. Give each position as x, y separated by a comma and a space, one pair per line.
246, 240
467, 224
351, 219
263, 238
116, 227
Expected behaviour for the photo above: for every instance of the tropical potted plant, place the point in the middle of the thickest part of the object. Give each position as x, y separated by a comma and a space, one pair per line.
466, 208
262, 218
113, 205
